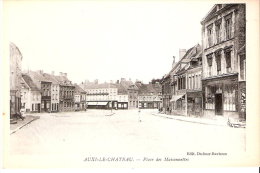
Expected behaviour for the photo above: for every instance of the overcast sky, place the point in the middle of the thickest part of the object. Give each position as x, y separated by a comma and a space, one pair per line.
104, 40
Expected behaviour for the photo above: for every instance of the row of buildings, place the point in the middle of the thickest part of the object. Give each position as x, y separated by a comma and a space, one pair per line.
123, 94
209, 79
36, 91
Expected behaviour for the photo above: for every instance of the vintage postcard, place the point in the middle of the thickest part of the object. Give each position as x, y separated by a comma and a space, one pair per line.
130, 84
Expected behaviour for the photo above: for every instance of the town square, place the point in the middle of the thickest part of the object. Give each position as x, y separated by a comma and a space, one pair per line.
128, 84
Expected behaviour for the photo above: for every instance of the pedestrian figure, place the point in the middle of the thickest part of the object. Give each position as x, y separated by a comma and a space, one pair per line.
139, 115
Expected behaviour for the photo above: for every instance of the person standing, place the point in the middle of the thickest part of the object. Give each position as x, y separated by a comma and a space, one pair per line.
139, 115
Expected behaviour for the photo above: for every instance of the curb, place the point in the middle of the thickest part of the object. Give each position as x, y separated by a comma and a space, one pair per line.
110, 114
190, 121
15, 130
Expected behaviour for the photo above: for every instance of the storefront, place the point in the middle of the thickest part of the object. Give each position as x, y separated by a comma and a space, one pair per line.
221, 96
122, 105
194, 103
149, 104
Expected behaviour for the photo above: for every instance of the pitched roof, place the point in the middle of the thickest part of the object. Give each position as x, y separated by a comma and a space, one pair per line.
79, 89
128, 85
149, 89
99, 86
37, 76
121, 89
51, 78
63, 80
30, 82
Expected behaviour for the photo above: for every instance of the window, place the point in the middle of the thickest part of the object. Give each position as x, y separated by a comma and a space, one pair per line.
229, 98
209, 60
228, 26
218, 61
228, 59
209, 94
218, 30
242, 67
210, 35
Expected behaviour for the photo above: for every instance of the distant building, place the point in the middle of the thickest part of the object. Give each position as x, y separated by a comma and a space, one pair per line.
224, 61
122, 97
15, 79
44, 84
80, 98
30, 95
101, 96
66, 94
186, 81
132, 91
149, 95
169, 84
55, 91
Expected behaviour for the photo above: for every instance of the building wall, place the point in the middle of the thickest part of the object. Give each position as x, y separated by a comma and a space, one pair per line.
67, 98
15, 79
31, 100
133, 98
46, 96
167, 91
149, 101
101, 94
55, 90
221, 63
236, 34
26, 99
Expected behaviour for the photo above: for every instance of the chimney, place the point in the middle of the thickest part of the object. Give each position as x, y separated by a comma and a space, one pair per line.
173, 62
122, 79
182, 52
65, 74
117, 81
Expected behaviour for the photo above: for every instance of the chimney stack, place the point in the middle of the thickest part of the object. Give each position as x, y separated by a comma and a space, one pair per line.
122, 79
182, 52
173, 62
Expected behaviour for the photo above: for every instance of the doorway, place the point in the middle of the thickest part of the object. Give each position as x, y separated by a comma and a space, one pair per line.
218, 104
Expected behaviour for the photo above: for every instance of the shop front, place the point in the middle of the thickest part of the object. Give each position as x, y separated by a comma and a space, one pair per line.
220, 96
194, 103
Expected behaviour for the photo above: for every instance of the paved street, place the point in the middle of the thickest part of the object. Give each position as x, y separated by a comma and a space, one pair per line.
92, 133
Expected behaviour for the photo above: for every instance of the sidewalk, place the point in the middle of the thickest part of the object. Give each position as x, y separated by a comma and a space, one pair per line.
21, 123
206, 121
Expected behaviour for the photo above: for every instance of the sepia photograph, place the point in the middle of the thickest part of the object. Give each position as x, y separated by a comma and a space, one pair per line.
130, 84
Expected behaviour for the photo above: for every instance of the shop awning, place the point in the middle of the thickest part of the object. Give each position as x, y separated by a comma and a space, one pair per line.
102, 103
92, 103
176, 97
